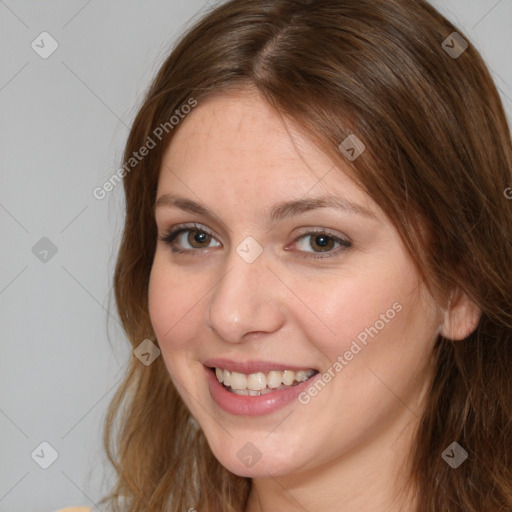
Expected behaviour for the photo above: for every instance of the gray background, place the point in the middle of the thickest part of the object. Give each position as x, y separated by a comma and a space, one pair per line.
64, 121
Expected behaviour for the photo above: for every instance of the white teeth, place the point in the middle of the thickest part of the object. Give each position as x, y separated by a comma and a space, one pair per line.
238, 380
274, 379
259, 383
301, 376
250, 392
288, 377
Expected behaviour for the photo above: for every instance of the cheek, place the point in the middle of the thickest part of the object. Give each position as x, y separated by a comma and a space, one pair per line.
357, 308
384, 334
174, 306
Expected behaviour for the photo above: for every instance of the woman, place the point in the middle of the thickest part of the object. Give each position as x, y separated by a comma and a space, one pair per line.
315, 273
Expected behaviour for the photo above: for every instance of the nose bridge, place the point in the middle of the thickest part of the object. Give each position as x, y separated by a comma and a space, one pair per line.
245, 300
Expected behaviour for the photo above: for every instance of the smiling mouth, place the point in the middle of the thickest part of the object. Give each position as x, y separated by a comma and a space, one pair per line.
260, 383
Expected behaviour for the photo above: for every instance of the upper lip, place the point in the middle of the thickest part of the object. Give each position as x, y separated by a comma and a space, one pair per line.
249, 367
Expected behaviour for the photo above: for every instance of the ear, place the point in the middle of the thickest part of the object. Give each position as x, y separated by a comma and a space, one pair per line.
461, 317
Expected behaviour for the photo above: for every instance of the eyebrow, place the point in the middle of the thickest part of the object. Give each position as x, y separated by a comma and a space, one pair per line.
278, 211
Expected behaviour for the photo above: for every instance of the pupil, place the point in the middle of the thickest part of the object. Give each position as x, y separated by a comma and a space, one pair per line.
196, 238
323, 241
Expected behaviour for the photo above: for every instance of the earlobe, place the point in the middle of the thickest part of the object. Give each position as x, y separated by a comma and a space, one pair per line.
460, 318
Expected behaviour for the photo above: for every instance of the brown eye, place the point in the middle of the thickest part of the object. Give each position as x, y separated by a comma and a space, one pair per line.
320, 242
196, 238
323, 242
188, 239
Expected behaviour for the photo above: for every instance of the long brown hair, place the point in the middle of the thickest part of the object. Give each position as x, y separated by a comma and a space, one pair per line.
438, 159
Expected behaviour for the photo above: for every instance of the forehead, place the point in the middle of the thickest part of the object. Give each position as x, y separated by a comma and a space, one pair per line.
237, 144
240, 125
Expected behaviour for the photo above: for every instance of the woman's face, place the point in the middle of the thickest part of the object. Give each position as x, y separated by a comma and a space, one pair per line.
261, 287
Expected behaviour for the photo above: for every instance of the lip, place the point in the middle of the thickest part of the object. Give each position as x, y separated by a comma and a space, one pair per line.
249, 367
241, 405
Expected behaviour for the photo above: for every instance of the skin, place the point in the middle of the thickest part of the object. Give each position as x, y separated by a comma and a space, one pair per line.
347, 448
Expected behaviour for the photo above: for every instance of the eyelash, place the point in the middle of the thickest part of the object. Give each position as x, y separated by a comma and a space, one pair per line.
169, 236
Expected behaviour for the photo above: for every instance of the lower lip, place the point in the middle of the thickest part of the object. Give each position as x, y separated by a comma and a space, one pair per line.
253, 405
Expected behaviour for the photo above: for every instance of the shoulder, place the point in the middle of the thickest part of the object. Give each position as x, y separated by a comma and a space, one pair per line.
74, 509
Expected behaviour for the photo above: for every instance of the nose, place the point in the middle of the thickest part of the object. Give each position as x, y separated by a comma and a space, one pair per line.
246, 301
